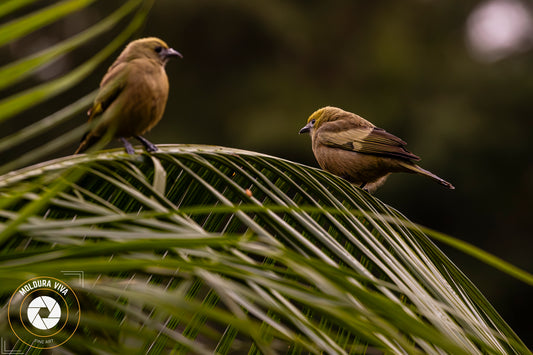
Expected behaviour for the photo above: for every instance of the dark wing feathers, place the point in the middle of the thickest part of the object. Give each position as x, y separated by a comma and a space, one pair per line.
365, 139
379, 135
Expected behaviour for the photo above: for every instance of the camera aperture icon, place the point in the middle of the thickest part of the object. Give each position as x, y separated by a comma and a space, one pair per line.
44, 305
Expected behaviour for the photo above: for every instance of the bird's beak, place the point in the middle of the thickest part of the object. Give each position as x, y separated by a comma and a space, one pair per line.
171, 52
306, 128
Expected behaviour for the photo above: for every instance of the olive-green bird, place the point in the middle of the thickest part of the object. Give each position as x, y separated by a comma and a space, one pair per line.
133, 94
351, 147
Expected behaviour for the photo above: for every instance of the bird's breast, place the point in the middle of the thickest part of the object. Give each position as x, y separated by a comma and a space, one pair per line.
145, 97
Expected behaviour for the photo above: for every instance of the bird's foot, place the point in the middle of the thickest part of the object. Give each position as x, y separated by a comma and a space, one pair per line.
150, 147
128, 146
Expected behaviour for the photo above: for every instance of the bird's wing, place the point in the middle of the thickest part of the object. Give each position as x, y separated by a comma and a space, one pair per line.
110, 87
363, 139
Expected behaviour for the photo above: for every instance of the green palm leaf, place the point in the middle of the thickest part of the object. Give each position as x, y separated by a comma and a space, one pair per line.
201, 249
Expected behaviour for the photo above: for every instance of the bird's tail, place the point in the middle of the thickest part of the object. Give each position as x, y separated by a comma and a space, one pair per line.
87, 141
418, 170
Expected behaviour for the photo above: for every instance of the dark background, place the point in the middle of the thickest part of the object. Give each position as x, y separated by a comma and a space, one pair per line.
253, 71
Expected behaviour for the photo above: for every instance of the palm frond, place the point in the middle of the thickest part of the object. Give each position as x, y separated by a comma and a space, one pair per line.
201, 249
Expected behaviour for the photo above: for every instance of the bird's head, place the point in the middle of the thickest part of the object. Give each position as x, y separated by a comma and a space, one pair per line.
151, 48
321, 116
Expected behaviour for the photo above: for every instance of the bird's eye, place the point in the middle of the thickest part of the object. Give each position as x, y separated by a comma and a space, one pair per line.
313, 122
158, 49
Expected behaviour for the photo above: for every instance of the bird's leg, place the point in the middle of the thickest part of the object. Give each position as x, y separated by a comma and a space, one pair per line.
362, 185
128, 146
150, 147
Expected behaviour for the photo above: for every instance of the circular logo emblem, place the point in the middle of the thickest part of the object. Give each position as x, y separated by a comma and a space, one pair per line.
44, 312
54, 312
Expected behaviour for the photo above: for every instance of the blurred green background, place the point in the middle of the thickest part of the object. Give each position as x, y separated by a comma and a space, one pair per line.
452, 78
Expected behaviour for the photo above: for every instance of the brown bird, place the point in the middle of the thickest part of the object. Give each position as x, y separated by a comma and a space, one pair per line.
132, 96
351, 147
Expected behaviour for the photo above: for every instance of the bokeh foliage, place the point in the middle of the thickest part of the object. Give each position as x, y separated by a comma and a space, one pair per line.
253, 72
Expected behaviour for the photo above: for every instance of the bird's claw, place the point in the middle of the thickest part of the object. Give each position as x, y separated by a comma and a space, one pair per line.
150, 147
363, 187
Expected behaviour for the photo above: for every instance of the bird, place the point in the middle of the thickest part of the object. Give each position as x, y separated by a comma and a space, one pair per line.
132, 95
347, 145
